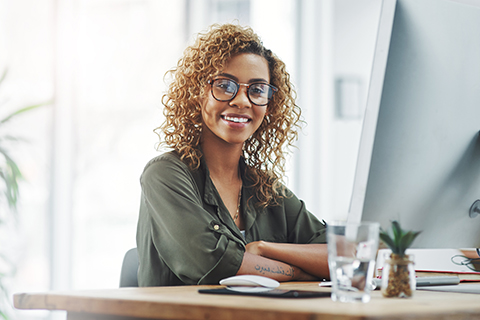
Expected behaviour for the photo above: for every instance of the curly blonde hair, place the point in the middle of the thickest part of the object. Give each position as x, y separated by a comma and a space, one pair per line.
264, 150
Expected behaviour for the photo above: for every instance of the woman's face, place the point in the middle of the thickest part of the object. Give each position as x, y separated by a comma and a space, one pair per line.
236, 120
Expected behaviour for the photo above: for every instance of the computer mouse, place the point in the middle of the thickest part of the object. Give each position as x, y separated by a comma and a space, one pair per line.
250, 281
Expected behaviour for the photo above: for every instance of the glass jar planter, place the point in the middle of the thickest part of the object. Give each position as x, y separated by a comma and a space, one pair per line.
398, 277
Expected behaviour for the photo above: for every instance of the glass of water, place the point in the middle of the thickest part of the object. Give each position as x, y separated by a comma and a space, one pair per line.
352, 249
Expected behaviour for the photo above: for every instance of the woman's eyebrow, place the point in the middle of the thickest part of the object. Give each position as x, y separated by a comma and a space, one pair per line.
228, 75
231, 76
258, 80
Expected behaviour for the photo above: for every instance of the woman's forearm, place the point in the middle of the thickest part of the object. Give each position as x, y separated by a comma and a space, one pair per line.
311, 258
274, 269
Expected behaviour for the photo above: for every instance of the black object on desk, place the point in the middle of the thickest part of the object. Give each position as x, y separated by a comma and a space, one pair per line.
273, 293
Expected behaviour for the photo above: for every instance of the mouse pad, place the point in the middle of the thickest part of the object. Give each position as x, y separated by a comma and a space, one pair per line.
273, 293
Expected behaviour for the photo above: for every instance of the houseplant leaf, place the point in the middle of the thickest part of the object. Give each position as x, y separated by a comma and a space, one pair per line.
22, 110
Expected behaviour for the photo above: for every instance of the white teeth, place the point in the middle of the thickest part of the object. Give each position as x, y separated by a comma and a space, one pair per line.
235, 119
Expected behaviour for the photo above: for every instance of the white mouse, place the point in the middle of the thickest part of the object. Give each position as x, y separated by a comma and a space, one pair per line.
250, 281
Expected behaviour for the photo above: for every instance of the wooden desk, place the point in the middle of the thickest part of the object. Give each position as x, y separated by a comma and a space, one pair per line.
187, 303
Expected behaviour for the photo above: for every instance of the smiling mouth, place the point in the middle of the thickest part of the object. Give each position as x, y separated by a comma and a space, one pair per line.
236, 119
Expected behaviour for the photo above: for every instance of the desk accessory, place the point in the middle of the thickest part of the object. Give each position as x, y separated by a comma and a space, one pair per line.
398, 276
272, 293
352, 248
468, 259
426, 281
464, 288
250, 281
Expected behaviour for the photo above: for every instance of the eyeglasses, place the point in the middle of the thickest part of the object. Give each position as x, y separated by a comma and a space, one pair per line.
258, 93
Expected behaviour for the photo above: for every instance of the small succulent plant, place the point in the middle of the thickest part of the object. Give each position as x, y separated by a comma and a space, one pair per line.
401, 239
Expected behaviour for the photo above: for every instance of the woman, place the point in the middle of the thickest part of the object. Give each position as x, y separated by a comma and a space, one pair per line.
214, 206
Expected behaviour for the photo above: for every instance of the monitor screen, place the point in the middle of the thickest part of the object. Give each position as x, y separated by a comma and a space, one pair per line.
419, 156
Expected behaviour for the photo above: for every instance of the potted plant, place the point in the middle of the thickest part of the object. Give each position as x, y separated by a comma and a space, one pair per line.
10, 175
398, 274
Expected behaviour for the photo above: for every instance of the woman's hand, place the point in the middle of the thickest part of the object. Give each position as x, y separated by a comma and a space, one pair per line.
255, 248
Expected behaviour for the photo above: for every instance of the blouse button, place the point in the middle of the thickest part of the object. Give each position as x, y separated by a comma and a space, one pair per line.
216, 227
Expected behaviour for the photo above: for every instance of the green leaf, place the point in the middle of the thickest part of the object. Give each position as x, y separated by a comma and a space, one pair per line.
401, 240
3, 315
385, 237
407, 240
10, 138
22, 110
397, 232
10, 174
4, 75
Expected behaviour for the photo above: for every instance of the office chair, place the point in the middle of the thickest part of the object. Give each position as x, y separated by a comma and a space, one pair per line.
128, 274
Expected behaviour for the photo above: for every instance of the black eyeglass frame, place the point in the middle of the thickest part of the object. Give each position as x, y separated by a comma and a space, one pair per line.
274, 89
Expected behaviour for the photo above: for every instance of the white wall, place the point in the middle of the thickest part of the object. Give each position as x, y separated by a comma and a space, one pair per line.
355, 25
336, 42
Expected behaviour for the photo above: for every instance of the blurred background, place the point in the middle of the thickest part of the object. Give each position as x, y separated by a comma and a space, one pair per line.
97, 67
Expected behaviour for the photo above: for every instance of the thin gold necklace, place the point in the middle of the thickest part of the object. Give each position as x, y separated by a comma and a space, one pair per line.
238, 206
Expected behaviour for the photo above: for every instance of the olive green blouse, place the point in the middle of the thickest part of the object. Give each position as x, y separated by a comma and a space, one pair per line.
185, 234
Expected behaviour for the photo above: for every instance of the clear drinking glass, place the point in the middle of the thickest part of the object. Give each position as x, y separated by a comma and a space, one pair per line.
352, 249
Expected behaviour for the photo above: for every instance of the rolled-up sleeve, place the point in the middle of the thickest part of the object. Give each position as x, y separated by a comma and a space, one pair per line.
173, 224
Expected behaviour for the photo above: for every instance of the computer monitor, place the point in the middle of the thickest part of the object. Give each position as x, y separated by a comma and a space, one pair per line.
419, 156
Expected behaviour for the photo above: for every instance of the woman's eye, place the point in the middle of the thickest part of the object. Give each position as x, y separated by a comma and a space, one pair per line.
257, 90
231, 89
226, 86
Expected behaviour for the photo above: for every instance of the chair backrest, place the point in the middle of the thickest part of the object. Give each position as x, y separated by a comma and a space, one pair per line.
128, 275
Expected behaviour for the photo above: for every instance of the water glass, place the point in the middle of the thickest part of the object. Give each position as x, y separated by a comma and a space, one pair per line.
352, 249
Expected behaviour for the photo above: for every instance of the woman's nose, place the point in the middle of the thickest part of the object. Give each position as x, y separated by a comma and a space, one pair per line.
241, 99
